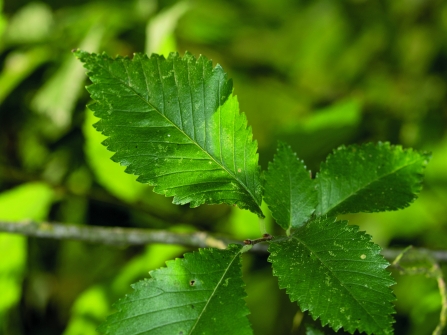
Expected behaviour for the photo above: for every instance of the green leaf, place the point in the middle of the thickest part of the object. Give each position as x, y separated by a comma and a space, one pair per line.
200, 294
175, 123
109, 174
289, 190
31, 201
337, 273
369, 178
308, 326
57, 98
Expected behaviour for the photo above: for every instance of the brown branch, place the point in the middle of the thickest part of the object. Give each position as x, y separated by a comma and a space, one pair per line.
137, 236
116, 235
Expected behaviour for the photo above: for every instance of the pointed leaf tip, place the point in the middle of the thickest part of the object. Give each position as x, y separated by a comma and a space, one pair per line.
176, 124
369, 178
289, 190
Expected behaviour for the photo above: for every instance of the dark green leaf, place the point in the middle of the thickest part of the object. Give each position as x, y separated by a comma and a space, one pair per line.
202, 293
175, 123
308, 326
369, 178
337, 274
289, 190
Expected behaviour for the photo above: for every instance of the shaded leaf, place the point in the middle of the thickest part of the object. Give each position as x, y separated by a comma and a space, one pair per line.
308, 326
175, 123
200, 294
337, 274
289, 190
369, 178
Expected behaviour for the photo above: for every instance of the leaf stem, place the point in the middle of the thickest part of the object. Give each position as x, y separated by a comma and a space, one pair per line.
265, 237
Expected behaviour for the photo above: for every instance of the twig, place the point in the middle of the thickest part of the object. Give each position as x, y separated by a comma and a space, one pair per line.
442, 291
439, 256
137, 236
116, 235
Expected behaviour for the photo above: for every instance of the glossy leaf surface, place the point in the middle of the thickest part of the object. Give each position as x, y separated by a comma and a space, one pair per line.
289, 190
369, 178
175, 123
337, 274
202, 293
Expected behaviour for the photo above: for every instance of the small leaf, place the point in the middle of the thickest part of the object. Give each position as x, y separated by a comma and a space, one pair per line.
369, 178
289, 190
175, 123
202, 293
337, 274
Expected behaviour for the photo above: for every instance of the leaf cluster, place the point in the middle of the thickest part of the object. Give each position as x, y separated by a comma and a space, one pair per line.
175, 123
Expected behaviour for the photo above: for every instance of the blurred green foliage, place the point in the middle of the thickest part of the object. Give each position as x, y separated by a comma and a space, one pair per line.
315, 74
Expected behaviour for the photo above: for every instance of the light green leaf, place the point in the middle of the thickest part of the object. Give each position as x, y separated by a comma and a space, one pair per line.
160, 29
337, 273
175, 123
58, 96
289, 190
28, 201
18, 65
369, 178
109, 174
92, 305
201, 293
32, 23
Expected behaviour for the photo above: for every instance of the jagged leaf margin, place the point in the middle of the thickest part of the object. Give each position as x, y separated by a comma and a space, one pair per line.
175, 123
289, 190
202, 293
369, 178
337, 274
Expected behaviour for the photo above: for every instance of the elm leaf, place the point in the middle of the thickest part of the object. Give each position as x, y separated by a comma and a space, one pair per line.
176, 124
337, 274
202, 293
369, 178
289, 190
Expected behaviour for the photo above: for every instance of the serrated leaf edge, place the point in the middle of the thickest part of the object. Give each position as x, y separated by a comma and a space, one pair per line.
287, 287
200, 251
82, 54
417, 187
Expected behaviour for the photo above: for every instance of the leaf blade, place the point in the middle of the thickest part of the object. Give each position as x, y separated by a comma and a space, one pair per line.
175, 123
289, 190
369, 178
337, 274
192, 295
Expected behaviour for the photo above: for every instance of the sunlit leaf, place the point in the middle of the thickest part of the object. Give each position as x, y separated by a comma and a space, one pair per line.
337, 274
175, 123
160, 29
28, 201
58, 96
201, 293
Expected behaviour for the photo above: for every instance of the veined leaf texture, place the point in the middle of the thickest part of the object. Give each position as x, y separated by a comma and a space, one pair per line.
369, 178
202, 293
176, 124
337, 274
289, 190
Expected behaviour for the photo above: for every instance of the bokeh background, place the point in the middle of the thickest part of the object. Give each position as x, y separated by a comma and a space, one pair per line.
316, 74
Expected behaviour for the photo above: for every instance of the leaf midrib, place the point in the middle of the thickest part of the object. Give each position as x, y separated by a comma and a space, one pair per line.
174, 125
363, 186
335, 276
212, 294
